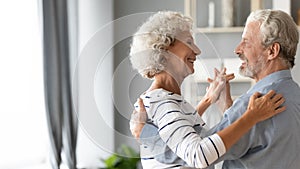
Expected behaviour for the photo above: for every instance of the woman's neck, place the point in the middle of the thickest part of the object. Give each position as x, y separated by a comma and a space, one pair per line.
167, 82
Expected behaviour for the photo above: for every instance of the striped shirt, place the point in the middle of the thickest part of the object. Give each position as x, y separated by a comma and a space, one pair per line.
178, 126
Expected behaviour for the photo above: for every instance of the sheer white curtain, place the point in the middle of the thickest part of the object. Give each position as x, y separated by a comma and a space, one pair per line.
23, 128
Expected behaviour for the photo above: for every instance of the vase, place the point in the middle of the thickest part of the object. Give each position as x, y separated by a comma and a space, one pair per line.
227, 13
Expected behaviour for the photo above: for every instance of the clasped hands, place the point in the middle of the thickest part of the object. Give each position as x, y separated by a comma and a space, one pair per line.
219, 89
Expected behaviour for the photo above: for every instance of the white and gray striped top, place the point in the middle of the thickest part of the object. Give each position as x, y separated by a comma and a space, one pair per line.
176, 121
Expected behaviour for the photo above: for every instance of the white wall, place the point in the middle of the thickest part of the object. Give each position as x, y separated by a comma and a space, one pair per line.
95, 137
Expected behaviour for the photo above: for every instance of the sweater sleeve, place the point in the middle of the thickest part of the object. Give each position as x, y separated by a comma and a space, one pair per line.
178, 133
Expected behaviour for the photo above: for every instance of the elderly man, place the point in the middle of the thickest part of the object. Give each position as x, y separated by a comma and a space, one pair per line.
267, 49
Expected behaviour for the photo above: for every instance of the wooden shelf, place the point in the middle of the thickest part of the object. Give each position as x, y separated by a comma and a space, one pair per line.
223, 30
220, 30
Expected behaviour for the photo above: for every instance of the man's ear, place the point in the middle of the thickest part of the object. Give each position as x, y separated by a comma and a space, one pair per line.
273, 51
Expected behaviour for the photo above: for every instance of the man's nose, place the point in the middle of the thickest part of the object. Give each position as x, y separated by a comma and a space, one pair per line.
237, 50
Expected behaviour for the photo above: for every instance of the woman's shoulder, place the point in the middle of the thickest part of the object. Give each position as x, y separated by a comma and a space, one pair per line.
160, 94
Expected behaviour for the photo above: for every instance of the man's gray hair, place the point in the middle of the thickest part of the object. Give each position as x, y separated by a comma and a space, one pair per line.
278, 27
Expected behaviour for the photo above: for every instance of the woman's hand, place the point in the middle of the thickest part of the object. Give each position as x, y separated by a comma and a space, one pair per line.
263, 107
138, 119
259, 108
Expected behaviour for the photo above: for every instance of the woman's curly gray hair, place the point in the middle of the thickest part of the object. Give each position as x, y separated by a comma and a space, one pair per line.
278, 27
152, 39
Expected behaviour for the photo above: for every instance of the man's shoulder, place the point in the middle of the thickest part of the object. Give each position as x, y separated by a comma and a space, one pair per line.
239, 105
288, 88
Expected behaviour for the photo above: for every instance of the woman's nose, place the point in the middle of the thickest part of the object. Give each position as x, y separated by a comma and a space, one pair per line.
196, 50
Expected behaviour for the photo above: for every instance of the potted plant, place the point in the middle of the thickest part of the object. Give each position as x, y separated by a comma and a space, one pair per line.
126, 158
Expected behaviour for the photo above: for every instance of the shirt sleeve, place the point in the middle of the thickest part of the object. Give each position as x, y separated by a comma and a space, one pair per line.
232, 114
178, 133
149, 135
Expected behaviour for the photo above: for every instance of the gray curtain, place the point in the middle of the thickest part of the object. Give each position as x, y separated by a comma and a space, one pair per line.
58, 53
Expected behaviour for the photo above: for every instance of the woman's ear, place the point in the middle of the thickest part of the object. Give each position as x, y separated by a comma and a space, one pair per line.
273, 51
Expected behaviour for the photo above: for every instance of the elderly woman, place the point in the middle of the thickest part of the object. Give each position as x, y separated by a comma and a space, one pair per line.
163, 50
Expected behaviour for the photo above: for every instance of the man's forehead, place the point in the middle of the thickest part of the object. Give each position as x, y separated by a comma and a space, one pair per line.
251, 29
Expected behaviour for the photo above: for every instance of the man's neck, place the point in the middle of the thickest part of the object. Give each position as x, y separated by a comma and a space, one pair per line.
269, 69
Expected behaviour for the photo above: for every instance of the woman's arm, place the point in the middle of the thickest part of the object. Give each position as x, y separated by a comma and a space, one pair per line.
178, 133
259, 109
176, 129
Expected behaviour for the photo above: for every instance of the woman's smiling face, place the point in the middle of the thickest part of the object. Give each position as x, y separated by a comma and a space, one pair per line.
184, 53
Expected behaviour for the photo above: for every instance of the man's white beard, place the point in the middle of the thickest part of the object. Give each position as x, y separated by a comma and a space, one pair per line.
252, 70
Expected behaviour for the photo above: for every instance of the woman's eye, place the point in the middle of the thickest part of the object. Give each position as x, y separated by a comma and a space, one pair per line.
189, 42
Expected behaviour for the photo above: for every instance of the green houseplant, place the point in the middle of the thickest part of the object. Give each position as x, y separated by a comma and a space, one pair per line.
126, 158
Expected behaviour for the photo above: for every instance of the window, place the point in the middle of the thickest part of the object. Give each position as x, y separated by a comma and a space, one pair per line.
23, 127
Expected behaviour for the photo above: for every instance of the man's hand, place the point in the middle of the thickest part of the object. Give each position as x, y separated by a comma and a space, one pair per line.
138, 119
